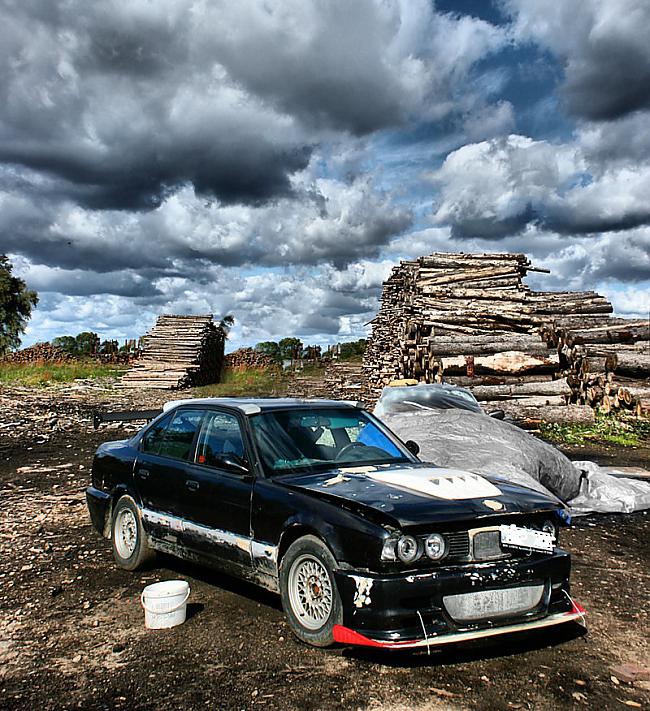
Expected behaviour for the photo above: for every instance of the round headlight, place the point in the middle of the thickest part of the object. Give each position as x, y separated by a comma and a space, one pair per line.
434, 546
407, 549
549, 527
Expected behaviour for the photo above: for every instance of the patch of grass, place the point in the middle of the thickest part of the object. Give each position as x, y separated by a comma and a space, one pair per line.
257, 382
312, 370
607, 429
40, 374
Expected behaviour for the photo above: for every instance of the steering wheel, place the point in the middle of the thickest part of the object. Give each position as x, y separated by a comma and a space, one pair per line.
348, 448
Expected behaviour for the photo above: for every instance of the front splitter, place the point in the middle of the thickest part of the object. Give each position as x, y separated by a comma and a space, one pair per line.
344, 635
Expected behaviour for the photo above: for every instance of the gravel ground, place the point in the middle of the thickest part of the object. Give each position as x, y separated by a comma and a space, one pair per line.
72, 631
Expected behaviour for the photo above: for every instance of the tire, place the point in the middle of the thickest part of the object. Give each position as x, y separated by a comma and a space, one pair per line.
308, 590
129, 542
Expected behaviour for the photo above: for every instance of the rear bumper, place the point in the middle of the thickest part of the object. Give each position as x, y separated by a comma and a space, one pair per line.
99, 505
408, 610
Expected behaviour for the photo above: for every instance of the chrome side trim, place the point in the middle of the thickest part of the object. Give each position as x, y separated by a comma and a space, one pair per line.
263, 555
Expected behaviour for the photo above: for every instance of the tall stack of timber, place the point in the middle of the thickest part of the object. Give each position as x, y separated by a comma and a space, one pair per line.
469, 319
344, 380
179, 352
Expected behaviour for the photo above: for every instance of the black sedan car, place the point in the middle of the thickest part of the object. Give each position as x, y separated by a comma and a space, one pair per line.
319, 501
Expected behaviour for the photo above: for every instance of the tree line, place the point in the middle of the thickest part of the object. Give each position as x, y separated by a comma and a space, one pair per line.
17, 302
293, 349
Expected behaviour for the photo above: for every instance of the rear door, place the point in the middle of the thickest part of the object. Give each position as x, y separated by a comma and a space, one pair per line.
218, 493
160, 470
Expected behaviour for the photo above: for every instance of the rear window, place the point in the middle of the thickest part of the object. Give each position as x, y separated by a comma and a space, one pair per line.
176, 439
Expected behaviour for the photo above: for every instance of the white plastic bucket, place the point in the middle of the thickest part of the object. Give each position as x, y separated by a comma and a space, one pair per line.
165, 604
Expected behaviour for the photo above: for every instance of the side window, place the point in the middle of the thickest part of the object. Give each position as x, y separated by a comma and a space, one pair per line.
154, 435
177, 439
220, 439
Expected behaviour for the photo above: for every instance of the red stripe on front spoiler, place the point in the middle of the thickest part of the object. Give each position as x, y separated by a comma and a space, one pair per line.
344, 635
577, 607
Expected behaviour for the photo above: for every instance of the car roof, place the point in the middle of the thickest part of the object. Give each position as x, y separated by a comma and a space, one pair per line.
253, 406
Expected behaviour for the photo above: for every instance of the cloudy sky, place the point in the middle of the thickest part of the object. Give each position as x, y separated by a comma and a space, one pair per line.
273, 158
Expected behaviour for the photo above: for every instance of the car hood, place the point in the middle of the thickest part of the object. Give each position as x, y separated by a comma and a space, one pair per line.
417, 494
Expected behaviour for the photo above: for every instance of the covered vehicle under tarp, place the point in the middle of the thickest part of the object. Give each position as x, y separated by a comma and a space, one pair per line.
478, 443
440, 396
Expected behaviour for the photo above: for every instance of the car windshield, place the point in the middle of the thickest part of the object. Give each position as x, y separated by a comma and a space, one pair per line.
305, 440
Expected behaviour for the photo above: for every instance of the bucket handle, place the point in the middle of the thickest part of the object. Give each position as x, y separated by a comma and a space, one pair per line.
164, 612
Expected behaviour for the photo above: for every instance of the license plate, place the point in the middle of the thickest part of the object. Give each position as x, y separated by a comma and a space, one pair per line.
492, 604
517, 537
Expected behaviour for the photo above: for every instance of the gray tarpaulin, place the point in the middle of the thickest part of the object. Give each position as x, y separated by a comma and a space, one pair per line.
440, 396
481, 444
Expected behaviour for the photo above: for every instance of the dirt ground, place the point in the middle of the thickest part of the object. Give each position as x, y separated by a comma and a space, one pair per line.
72, 631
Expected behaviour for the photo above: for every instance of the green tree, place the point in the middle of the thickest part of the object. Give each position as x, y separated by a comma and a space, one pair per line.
108, 347
226, 323
290, 348
353, 350
87, 343
16, 303
66, 343
270, 349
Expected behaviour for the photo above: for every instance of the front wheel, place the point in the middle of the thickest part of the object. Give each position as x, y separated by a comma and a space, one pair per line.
130, 548
310, 598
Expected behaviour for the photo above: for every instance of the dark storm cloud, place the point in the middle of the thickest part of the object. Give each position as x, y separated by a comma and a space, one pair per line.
604, 48
127, 101
82, 282
611, 81
338, 223
114, 100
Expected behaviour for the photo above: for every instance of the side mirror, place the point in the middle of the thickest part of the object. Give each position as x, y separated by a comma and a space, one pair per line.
236, 466
413, 447
497, 414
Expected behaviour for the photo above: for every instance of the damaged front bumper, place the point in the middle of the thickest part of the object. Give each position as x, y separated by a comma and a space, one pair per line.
455, 603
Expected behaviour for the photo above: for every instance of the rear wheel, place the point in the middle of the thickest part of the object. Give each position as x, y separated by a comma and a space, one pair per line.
310, 598
130, 548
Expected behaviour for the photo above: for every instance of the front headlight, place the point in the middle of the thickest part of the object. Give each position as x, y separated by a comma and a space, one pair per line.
550, 527
435, 546
408, 549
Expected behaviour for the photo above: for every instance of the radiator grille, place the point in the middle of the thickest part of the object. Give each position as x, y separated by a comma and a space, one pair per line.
458, 544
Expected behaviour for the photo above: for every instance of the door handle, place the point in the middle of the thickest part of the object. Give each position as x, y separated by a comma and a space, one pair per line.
143, 473
192, 485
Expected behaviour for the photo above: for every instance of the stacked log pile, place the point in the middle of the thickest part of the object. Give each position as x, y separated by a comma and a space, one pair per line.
179, 352
470, 319
344, 380
247, 358
39, 353
607, 367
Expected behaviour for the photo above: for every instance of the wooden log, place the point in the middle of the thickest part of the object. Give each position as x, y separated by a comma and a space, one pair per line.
513, 362
487, 344
632, 331
533, 416
593, 364
629, 363
526, 401
496, 379
555, 388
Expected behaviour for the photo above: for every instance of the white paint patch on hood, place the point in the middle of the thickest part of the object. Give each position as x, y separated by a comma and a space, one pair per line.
449, 484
